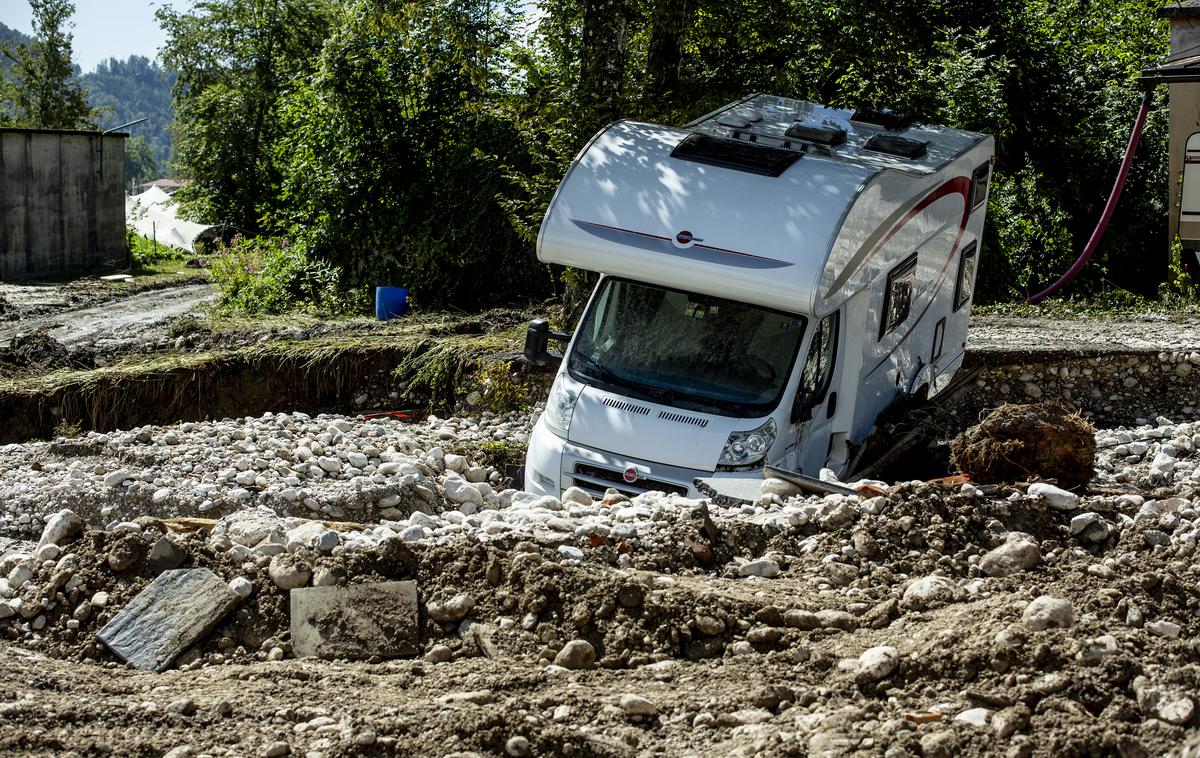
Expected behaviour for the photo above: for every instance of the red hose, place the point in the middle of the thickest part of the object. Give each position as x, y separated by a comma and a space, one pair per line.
1134, 137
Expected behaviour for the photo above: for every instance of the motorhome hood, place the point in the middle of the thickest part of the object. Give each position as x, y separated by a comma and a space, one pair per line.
651, 432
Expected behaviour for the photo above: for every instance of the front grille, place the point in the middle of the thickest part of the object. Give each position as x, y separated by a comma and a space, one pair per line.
596, 479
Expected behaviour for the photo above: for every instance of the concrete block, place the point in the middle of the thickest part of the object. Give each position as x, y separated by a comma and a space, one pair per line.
174, 612
356, 621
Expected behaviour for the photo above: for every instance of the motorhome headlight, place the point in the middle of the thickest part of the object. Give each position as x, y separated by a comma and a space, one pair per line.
560, 406
746, 448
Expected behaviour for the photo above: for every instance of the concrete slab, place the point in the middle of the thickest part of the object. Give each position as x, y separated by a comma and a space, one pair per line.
355, 622
730, 492
168, 617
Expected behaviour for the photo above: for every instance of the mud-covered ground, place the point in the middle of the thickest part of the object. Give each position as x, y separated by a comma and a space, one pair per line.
913, 619
726, 665
924, 620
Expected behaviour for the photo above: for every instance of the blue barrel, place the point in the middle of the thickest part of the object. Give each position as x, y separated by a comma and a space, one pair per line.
390, 302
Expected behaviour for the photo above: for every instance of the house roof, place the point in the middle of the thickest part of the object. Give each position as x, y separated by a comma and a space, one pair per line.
1180, 9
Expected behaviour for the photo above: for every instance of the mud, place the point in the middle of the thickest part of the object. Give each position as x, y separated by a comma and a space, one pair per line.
664, 628
116, 326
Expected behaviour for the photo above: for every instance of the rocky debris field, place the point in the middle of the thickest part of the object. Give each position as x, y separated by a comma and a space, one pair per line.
926, 619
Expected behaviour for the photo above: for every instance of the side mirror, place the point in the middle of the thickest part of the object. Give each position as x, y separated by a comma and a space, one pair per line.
537, 339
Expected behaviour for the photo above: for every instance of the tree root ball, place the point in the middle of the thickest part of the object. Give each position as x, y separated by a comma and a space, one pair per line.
1023, 442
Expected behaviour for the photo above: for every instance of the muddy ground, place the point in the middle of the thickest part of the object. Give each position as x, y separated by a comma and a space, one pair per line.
725, 664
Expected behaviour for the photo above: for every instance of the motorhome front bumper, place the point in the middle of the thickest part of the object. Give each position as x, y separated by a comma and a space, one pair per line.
555, 464
595, 472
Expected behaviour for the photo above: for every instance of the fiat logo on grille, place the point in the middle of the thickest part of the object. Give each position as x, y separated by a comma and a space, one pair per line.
631, 475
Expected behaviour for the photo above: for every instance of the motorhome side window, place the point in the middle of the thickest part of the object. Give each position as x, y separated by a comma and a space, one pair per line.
966, 276
818, 368
897, 298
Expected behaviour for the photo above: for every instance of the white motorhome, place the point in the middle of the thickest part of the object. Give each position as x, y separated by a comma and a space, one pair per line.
774, 276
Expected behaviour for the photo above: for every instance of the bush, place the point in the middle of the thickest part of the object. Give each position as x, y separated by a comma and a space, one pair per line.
144, 252
271, 275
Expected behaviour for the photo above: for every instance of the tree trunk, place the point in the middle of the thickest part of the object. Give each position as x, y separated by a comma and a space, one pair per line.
668, 25
602, 58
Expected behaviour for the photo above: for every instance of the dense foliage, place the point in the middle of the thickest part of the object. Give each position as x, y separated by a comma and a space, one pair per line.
130, 89
38, 88
419, 142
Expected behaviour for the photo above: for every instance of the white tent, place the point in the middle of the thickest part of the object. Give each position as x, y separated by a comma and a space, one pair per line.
152, 214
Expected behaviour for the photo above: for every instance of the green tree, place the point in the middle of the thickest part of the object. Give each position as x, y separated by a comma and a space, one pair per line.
383, 152
130, 89
141, 164
234, 59
40, 87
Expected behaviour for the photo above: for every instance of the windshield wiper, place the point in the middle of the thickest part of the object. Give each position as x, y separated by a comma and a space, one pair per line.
604, 373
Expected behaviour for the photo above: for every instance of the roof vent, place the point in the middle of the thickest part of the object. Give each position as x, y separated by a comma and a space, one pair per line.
734, 154
891, 120
733, 121
901, 147
830, 136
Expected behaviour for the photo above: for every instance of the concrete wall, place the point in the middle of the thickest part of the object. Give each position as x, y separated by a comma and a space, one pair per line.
62, 203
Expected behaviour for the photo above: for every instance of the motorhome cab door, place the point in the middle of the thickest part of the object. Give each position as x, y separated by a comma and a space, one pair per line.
816, 398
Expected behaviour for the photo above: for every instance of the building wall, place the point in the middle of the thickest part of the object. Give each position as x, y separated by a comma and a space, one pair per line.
62, 203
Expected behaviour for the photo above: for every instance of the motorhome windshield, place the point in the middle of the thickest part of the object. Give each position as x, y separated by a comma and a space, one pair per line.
682, 349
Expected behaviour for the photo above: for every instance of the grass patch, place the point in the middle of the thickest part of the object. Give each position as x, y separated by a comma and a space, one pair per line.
1107, 304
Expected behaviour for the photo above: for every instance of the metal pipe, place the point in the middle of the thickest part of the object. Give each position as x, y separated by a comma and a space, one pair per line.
1135, 136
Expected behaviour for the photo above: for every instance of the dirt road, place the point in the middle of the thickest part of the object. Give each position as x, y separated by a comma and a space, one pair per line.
114, 324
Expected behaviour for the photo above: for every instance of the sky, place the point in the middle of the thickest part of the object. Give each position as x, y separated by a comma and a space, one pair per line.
103, 28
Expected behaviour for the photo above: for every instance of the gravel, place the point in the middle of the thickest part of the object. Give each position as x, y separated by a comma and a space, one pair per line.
940, 618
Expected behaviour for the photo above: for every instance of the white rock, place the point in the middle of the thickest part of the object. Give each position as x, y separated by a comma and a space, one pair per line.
878, 662
576, 495
1046, 612
1166, 704
784, 489
636, 705
929, 592
1163, 628
114, 478
1055, 497
1083, 521
241, 586
462, 491
570, 552
47, 552
1019, 552
288, 574
764, 567
60, 528
978, 717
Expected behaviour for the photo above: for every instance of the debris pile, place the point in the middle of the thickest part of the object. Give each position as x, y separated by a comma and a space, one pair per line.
1027, 442
908, 619
38, 351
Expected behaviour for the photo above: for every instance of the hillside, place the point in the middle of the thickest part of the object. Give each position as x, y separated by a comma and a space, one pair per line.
131, 89
125, 90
